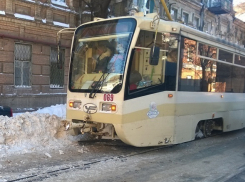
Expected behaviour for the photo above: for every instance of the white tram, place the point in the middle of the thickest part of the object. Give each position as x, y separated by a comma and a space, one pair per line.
152, 84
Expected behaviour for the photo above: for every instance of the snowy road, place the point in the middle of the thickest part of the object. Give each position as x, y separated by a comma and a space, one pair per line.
216, 159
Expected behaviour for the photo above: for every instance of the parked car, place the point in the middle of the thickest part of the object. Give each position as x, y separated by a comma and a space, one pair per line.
6, 111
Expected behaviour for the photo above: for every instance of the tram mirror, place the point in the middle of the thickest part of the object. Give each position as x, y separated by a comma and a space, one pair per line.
154, 55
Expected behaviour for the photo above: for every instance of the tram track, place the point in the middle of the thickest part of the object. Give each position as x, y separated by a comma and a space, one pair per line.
81, 165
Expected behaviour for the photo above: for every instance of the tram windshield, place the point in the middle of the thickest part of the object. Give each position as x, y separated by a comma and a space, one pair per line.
99, 55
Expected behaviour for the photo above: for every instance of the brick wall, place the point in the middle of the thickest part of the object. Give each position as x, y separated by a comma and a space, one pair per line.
39, 32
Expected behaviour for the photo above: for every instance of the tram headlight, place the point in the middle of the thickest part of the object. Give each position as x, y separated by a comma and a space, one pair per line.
75, 104
71, 103
109, 107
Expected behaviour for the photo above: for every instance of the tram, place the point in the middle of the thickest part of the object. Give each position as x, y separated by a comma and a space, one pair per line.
149, 84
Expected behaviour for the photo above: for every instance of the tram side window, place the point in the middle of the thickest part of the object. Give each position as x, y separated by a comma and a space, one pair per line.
225, 56
240, 60
239, 75
142, 74
223, 78
238, 79
201, 74
197, 74
230, 78
187, 78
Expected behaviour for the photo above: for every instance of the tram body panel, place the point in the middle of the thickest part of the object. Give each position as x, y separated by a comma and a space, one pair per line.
177, 121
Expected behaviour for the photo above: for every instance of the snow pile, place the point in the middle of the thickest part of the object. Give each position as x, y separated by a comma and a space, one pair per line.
58, 110
36, 131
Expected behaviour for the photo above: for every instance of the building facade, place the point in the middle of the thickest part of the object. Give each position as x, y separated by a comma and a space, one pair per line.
30, 76
215, 17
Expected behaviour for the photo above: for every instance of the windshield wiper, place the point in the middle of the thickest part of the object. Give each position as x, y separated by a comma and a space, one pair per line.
98, 85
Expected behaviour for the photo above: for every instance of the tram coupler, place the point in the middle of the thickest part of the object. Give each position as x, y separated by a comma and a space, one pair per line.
71, 125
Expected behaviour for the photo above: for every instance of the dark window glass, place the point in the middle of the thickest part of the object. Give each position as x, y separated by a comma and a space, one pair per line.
240, 60
238, 78
56, 70
223, 78
225, 56
230, 78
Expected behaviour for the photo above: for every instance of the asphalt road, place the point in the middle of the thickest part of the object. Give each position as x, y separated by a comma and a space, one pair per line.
216, 159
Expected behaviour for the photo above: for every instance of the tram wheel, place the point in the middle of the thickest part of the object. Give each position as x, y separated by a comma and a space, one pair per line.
199, 132
208, 127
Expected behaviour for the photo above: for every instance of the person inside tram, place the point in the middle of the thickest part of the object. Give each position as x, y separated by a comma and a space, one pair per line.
116, 64
104, 54
134, 78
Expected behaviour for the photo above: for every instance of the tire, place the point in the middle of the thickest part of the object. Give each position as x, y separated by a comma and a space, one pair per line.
208, 128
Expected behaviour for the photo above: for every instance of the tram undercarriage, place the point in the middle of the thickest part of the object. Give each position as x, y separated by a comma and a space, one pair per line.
92, 129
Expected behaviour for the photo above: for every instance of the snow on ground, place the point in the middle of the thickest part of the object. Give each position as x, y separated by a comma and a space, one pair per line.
40, 130
58, 110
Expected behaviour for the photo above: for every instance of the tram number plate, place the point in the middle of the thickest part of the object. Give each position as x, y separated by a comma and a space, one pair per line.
108, 97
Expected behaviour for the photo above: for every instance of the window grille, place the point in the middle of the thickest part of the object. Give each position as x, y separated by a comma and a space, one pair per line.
56, 71
22, 64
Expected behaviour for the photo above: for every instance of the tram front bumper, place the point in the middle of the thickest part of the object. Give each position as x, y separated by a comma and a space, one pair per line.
71, 125
98, 129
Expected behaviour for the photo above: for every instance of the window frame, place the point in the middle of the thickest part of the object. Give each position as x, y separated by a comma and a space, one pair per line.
236, 73
196, 26
175, 13
63, 68
185, 16
30, 67
152, 89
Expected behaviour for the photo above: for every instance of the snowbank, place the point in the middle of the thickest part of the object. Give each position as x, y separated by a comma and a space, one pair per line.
35, 131
58, 110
